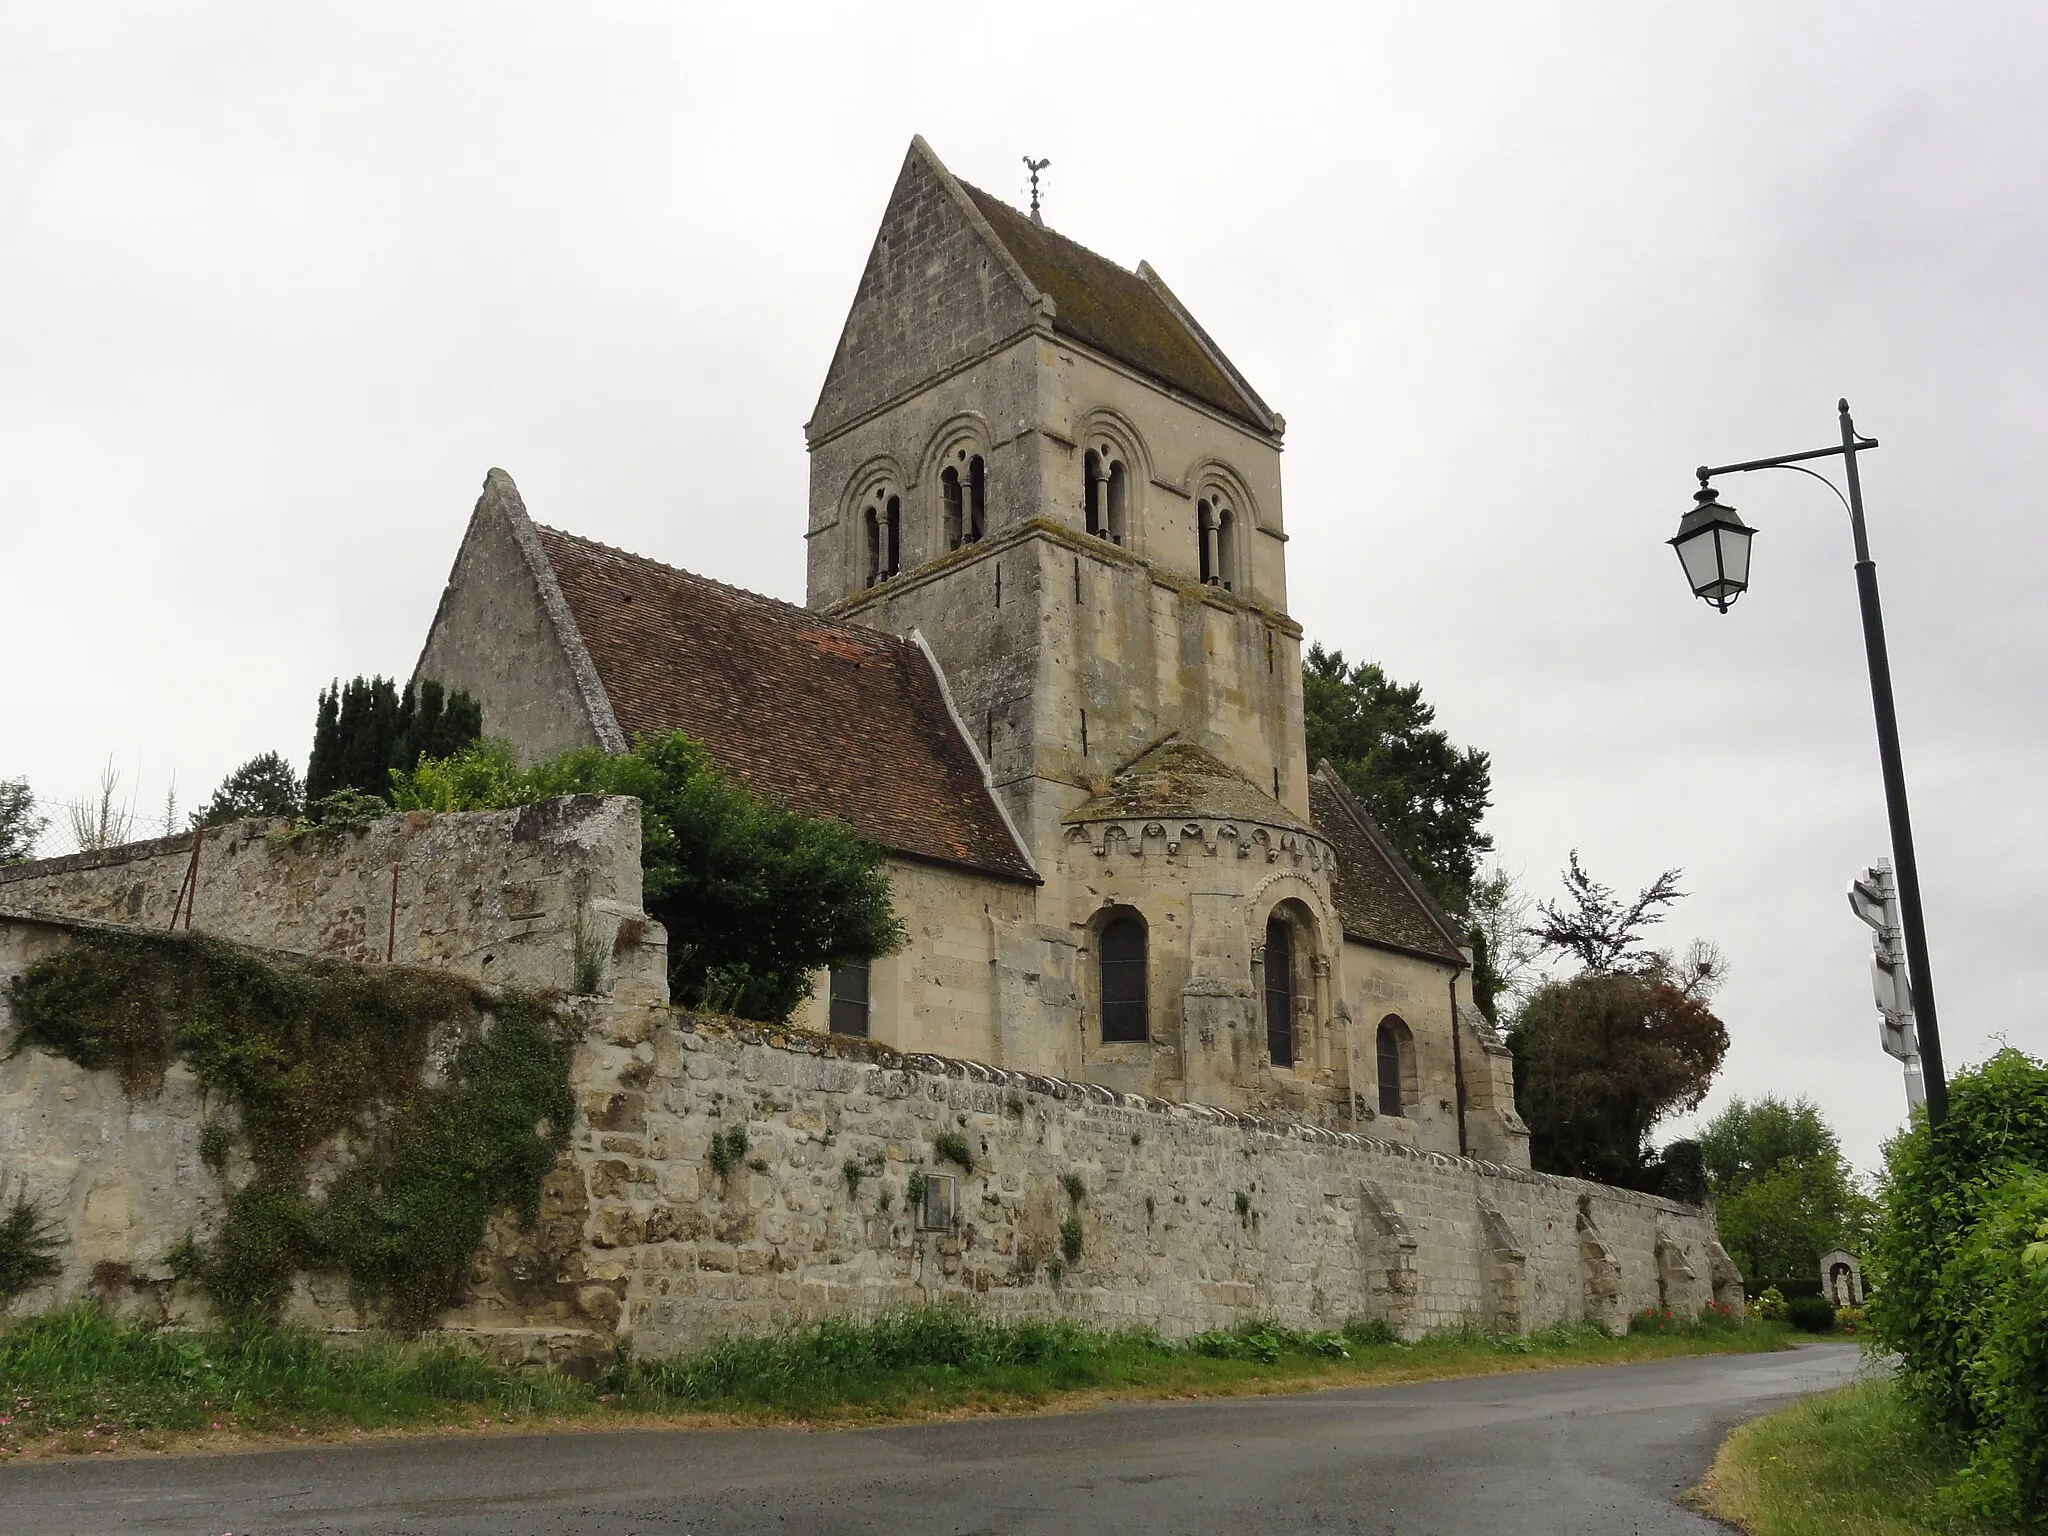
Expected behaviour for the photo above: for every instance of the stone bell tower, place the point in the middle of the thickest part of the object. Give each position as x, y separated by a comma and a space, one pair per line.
1037, 460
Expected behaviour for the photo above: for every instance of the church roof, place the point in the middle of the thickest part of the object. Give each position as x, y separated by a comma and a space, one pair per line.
1379, 898
1132, 316
1178, 778
829, 719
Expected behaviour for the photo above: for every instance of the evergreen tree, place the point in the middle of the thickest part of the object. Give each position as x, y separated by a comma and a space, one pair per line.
1382, 739
20, 826
365, 729
263, 786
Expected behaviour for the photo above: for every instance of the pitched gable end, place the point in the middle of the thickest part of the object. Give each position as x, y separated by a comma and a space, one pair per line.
503, 633
939, 289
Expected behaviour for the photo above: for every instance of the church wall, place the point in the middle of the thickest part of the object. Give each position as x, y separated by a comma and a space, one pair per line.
638, 1234
953, 988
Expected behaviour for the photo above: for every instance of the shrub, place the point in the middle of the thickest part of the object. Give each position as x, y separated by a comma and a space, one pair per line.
1956, 1298
1811, 1314
265, 785
951, 1147
1070, 1239
29, 1242
1769, 1306
728, 1150
1368, 1332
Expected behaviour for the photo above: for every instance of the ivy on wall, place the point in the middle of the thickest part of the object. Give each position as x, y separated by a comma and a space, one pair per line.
295, 1055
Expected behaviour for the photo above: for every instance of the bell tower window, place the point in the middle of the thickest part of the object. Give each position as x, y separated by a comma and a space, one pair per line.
884, 527
963, 490
1217, 528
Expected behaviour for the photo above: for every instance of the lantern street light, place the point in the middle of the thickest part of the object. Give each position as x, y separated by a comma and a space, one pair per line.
1713, 546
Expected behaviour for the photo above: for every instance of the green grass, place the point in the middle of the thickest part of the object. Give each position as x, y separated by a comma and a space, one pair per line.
79, 1381
1853, 1460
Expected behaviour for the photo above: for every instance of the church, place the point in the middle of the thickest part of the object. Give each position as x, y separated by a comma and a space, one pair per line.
1045, 661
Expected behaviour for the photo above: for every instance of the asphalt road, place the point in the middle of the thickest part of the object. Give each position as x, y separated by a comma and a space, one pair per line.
1604, 1450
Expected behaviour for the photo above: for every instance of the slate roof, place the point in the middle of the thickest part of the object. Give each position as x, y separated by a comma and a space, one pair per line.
1379, 899
1178, 778
1129, 315
829, 719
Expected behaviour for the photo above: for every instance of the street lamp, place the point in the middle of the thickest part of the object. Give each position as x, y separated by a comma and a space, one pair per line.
1713, 546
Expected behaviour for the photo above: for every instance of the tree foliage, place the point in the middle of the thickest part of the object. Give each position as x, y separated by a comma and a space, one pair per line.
1600, 1059
1592, 925
755, 898
1382, 739
365, 729
1783, 1192
20, 826
1962, 1279
266, 785
1504, 951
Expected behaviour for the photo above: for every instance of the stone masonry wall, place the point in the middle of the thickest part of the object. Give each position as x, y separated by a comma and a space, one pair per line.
1190, 1217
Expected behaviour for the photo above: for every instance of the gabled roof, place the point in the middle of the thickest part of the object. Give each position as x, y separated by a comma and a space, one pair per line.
829, 719
1177, 778
1132, 316
1379, 898
954, 273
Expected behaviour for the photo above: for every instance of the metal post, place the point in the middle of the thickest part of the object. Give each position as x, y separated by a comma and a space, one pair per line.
1904, 865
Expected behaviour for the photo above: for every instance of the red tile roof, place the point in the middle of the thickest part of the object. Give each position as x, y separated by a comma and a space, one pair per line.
1378, 897
828, 719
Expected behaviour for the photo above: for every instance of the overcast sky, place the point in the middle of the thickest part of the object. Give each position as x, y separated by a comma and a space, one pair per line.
279, 283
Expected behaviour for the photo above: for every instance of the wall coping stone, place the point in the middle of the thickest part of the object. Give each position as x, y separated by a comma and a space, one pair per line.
706, 1027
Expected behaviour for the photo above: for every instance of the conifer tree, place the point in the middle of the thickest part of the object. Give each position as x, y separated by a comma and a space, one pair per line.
364, 729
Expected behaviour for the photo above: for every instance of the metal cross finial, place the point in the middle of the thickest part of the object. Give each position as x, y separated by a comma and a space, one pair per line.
1034, 167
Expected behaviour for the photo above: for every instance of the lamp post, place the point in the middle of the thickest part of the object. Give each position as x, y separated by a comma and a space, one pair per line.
1713, 546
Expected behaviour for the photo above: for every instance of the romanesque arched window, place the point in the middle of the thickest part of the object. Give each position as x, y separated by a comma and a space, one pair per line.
1279, 968
1120, 956
848, 1010
1106, 488
1393, 1046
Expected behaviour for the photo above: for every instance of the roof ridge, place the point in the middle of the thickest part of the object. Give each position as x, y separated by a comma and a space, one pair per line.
823, 621
1149, 274
1044, 229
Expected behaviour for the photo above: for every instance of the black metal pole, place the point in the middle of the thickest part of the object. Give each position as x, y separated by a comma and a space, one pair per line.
1904, 864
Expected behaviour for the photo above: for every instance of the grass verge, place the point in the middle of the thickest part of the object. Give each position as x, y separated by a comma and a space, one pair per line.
79, 1382
1854, 1460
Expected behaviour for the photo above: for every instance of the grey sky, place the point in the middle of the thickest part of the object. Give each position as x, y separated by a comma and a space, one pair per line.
278, 285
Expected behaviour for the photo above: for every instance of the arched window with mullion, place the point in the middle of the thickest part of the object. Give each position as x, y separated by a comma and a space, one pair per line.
1121, 958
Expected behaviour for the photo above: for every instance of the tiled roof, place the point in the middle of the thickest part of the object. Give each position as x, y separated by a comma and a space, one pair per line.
1378, 897
1117, 311
1178, 778
829, 719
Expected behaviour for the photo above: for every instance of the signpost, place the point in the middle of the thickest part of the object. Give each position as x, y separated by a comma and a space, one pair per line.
1874, 898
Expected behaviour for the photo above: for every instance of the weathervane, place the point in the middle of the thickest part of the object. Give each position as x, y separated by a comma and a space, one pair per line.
1034, 167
